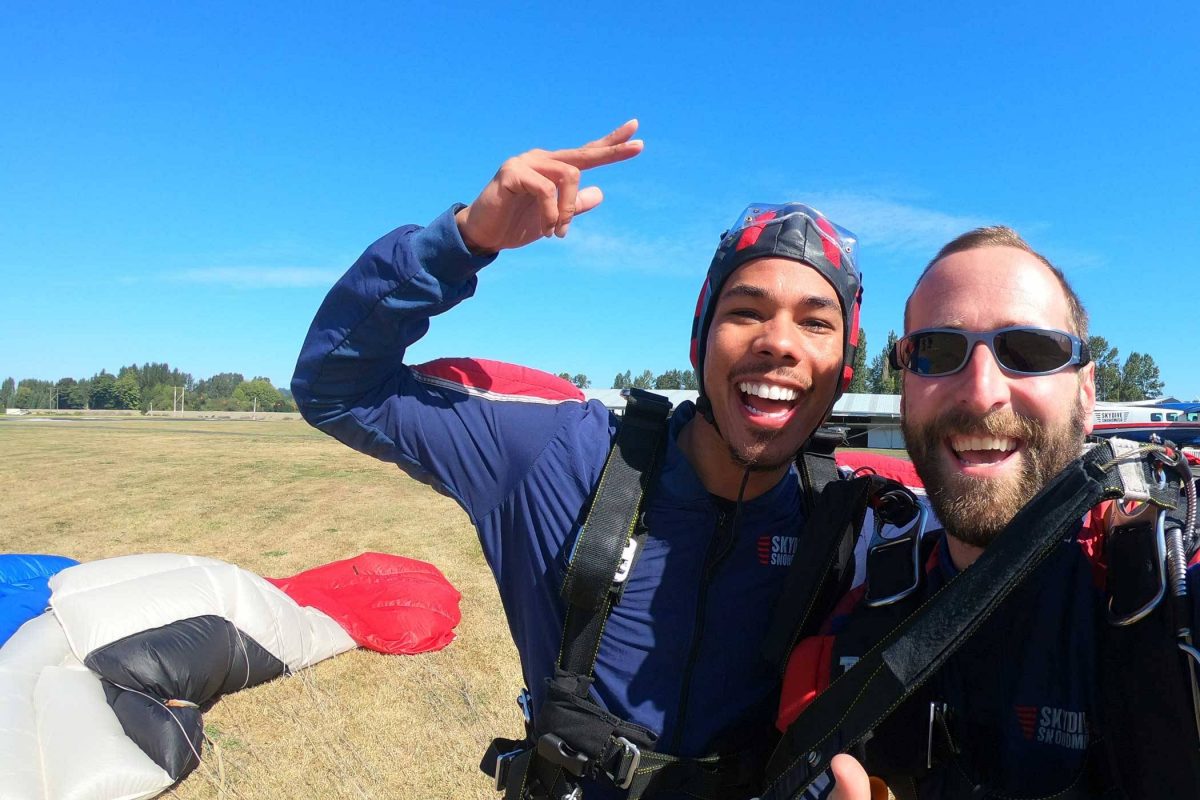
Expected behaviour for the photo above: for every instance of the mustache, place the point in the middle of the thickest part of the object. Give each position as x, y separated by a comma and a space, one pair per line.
769, 369
1000, 423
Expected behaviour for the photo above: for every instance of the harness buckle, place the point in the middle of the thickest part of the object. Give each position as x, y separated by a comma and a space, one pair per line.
525, 701
556, 751
627, 766
1160, 565
503, 762
897, 558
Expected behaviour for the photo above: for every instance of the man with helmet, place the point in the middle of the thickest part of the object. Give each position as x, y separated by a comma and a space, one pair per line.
675, 671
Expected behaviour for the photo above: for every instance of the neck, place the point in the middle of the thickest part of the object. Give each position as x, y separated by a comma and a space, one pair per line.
709, 456
961, 554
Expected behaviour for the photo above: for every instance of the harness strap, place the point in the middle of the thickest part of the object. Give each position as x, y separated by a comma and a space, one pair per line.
815, 582
817, 464
855, 703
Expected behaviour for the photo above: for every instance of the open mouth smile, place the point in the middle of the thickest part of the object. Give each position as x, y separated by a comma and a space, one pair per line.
982, 451
768, 402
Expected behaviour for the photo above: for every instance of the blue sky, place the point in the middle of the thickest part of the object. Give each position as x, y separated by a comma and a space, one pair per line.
183, 182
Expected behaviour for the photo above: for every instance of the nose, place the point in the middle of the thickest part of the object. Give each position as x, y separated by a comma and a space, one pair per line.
778, 339
982, 385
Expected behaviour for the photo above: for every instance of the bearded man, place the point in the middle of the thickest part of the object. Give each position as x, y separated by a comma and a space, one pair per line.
997, 398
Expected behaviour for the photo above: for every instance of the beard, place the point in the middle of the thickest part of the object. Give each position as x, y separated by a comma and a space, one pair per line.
975, 510
754, 457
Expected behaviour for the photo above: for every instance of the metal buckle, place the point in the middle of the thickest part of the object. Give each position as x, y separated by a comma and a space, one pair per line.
914, 533
631, 759
1160, 542
503, 762
525, 701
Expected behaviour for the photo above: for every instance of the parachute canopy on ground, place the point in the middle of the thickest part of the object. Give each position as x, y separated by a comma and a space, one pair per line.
101, 697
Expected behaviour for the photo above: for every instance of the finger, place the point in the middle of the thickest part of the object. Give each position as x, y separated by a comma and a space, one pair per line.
523, 179
588, 198
621, 134
851, 779
590, 156
566, 182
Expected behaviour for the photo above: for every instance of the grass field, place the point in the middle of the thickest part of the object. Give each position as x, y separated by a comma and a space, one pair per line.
275, 498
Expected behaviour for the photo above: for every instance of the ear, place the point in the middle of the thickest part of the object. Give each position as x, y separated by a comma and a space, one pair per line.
1087, 395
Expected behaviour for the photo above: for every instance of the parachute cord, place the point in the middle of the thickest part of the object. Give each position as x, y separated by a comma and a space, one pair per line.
1189, 523
245, 656
1133, 455
167, 707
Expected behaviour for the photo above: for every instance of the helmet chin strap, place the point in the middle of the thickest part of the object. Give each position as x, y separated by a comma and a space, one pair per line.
704, 409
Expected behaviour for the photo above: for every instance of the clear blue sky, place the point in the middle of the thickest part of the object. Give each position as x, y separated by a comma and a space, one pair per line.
183, 182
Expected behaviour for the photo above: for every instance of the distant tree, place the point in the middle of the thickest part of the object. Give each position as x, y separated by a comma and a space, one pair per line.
623, 380
668, 380
644, 381
256, 394
1140, 378
581, 381
34, 393
126, 390
884, 380
676, 379
216, 393
1108, 369
860, 383
103, 394
8, 392
566, 376
69, 393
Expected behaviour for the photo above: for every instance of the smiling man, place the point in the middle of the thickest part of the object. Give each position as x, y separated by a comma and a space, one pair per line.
997, 400
673, 672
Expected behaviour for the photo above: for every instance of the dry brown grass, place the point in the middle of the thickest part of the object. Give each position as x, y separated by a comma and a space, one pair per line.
275, 498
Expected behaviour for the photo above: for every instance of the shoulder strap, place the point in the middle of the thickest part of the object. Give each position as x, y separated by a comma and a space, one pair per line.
816, 463
614, 514
856, 702
815, 582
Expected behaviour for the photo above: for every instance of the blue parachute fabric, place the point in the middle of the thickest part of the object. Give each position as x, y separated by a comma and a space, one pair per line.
23, 590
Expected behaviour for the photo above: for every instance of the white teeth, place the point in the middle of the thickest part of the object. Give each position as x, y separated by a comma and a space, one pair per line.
769, 391
963, 443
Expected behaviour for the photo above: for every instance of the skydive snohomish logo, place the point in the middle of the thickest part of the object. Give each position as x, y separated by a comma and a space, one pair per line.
777, 550
1056, 726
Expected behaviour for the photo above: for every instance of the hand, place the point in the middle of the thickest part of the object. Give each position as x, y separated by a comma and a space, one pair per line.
537, 193
851, 780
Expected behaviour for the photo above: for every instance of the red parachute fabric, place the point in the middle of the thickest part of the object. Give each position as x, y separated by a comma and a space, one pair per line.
900, 470
386, 603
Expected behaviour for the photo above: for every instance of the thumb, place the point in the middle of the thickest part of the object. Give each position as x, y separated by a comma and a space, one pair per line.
588, 198
850, 778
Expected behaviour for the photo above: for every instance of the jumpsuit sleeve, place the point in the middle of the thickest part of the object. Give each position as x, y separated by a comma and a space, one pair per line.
352, 382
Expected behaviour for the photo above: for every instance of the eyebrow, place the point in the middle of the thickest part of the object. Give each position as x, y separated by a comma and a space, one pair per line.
759, 293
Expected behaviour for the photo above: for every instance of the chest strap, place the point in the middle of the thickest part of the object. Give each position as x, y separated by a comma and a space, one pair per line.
854, 704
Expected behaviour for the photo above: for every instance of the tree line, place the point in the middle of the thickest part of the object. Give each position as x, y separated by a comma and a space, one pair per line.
1136, 378
150, 387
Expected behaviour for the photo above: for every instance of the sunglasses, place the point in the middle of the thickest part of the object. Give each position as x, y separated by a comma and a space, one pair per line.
935, 352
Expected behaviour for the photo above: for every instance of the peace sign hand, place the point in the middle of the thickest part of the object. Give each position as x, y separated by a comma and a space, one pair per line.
537, 194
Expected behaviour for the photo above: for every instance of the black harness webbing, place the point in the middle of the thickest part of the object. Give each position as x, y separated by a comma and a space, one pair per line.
855, 703
814, 583
572, 737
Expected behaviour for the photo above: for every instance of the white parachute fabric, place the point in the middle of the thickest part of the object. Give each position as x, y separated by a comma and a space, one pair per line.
60, 738
48, 697
100, 602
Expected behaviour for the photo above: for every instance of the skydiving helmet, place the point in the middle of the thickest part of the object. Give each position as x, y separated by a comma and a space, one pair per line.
787, 230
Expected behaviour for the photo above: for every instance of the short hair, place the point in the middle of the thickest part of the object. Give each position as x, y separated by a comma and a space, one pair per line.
1004, 236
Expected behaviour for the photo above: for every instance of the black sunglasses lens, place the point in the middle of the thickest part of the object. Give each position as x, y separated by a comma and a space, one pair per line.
1033, 351
936, 352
